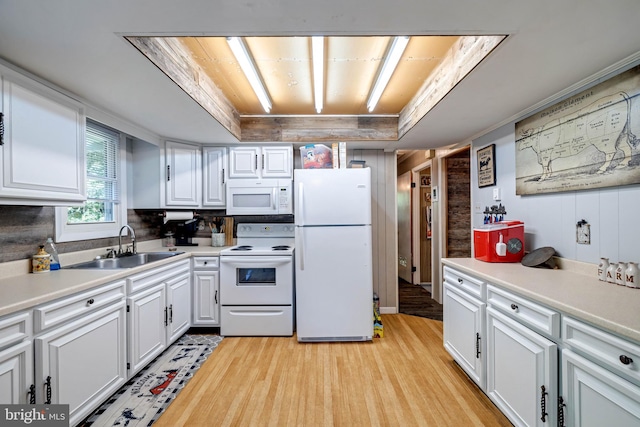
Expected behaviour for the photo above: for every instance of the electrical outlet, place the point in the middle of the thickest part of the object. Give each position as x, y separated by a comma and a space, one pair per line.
583, 232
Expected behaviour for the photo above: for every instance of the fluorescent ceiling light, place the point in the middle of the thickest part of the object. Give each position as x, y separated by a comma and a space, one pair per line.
317, 48
243, 56
388, 67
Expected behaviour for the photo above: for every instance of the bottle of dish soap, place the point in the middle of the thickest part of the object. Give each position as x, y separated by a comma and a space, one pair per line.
50, 247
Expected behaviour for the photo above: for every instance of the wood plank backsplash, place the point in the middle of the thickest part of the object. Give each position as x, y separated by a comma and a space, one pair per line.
24, 228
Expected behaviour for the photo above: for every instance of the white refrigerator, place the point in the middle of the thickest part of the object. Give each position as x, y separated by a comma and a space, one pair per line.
334, 272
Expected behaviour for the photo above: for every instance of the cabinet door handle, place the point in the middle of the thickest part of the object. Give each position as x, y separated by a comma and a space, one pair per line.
561, 406
90, 301
170, 313
166, 316
216, 296
625, 360
1, 129
32, 394
477, 345
460, 281
47, 385
205, 263
263, 162
514, 307
223, 175
168, 172
543, 403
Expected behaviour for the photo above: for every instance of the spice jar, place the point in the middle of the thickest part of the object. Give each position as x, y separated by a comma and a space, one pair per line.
41, 261
611, 272
602, 269
620, 269
631, 275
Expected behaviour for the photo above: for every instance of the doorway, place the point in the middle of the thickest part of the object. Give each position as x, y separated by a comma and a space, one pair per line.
415, 235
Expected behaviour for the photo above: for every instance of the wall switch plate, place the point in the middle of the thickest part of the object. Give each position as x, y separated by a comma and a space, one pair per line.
583, 233
496, 194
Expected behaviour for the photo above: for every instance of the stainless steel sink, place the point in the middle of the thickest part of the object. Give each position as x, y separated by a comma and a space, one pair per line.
125, 261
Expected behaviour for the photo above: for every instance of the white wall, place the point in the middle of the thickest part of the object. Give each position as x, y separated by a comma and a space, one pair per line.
550, 219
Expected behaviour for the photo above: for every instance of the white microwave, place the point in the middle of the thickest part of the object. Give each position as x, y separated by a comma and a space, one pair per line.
259, 196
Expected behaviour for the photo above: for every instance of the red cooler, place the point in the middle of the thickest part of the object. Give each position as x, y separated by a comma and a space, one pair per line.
499, 242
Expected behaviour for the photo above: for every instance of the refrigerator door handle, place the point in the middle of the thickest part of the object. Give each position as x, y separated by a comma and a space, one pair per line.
300, 204
300, 232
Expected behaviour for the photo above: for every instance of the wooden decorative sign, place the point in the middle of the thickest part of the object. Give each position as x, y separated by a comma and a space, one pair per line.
486, 166
589, 140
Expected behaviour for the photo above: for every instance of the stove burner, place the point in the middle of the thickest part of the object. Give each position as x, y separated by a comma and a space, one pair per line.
242, 248
280, 248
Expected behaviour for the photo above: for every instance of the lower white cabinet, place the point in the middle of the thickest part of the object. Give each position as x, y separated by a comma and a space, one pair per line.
593, 396
16, 359
463, 325
82, 362
146, 325
600, 377
522, 371
206, 291
16, 374
159, 312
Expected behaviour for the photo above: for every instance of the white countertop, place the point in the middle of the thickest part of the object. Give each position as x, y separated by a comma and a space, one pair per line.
573, 291
23, 291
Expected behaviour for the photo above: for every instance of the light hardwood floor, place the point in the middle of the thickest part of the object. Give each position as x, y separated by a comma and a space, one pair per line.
403, 379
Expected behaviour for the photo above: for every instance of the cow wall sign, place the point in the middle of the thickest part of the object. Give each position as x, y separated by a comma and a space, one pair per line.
486, 165
589, 140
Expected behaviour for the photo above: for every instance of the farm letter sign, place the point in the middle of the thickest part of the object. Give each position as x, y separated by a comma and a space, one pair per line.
589, 140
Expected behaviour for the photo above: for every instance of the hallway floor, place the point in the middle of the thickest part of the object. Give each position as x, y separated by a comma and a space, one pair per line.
416, 301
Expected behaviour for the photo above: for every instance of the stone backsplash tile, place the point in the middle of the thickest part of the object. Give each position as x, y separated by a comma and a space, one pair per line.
24, 228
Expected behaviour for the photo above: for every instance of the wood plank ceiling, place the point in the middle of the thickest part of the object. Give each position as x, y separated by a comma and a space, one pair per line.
206, 69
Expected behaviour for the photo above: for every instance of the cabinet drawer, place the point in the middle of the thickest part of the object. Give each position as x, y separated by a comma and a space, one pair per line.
15, 328
619, 355
470, 284
57, 312
527, 312
153, 276
209, 263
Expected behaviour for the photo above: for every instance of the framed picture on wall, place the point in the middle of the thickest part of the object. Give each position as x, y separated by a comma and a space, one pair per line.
486, 166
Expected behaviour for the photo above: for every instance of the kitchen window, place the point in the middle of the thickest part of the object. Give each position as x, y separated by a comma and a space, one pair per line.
104, 212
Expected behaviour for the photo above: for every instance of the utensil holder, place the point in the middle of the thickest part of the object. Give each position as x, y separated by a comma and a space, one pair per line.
218, 239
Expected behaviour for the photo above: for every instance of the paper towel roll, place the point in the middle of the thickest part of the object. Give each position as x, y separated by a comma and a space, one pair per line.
178, 216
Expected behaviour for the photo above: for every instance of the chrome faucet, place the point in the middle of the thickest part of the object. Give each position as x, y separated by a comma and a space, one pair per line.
133, 239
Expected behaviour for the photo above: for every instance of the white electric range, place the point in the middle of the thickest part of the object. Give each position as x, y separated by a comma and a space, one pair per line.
256, 281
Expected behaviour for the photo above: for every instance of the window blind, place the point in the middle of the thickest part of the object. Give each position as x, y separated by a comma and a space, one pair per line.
102, 148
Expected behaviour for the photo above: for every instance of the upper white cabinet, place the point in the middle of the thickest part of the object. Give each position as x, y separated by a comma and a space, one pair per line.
177, 175
183, 175
214, 168
261, 162
42, 157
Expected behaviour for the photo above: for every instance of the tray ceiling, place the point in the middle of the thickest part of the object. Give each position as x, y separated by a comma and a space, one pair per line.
207, 70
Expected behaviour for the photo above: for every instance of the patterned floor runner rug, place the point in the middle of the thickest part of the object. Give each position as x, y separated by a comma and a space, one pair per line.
143, 398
